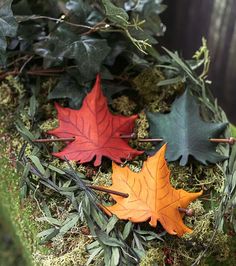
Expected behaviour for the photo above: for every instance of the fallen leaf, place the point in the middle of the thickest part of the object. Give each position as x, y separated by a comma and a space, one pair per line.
151, 195
185, 132
96, 131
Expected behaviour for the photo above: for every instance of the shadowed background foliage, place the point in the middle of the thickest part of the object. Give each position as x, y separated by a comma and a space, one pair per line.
187, 21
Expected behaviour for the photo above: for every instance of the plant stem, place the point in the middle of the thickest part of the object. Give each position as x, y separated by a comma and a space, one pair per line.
150, 140
133, 136
230, 140
188, 212
53, 140
107, 190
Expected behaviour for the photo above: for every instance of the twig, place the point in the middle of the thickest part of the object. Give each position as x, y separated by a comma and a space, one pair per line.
26, 62
106, 190
58, 20
33, 72
133, 136
230, 140
53, 140
188, 212
98, 26
150, 140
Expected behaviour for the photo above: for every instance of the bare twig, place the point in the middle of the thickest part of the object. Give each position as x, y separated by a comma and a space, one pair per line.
107, 190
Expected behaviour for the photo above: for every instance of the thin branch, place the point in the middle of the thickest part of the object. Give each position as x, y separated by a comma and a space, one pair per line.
53, 140
107, 190
230, 140
57, 20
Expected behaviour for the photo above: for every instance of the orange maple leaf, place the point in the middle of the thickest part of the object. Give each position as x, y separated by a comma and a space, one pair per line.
151, 195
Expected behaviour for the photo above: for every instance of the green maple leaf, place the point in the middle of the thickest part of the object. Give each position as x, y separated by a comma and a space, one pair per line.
8, 27
185, 132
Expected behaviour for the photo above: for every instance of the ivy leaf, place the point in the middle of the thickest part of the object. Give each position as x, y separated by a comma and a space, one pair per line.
96, 131
52, 50
79, 8
8, 27
151, 195
115, 14
89, 54
68, 88
185, 132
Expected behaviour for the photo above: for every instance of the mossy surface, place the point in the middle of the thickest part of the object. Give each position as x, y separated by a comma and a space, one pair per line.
19, 216
70, 249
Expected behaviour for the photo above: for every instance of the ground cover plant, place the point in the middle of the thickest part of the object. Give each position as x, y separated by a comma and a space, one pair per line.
104, 190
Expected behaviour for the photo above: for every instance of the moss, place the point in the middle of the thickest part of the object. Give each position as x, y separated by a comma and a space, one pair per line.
156, 98
48, 85
70, 249
147, 81
21, 217
142, 132
196, 176
49, 125
10, 91
75, 257
202, 235
102, 179
123, 105
154, 256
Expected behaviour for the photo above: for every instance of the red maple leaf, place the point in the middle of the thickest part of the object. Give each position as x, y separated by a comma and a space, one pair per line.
96, 131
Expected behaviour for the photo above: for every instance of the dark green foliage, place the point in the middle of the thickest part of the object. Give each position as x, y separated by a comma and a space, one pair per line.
68, 88
67, 45
185, 132
8, 27
80, 37
115, 14
75, 39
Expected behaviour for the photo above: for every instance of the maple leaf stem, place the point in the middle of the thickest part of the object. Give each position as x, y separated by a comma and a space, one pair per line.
150, 140
118, 193
53, 140
188, 212
230, 140
129, 136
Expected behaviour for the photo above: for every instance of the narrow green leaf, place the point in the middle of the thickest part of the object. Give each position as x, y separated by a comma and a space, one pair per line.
65, 228
127, 229
48, 237
171, 81
26, 134
45, 232
95, 252
107, 240
111, 224
49, 220
35, 160
92, 245
33, 106
115, 257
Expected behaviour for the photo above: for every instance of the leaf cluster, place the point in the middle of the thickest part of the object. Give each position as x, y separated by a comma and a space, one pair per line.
77, 39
